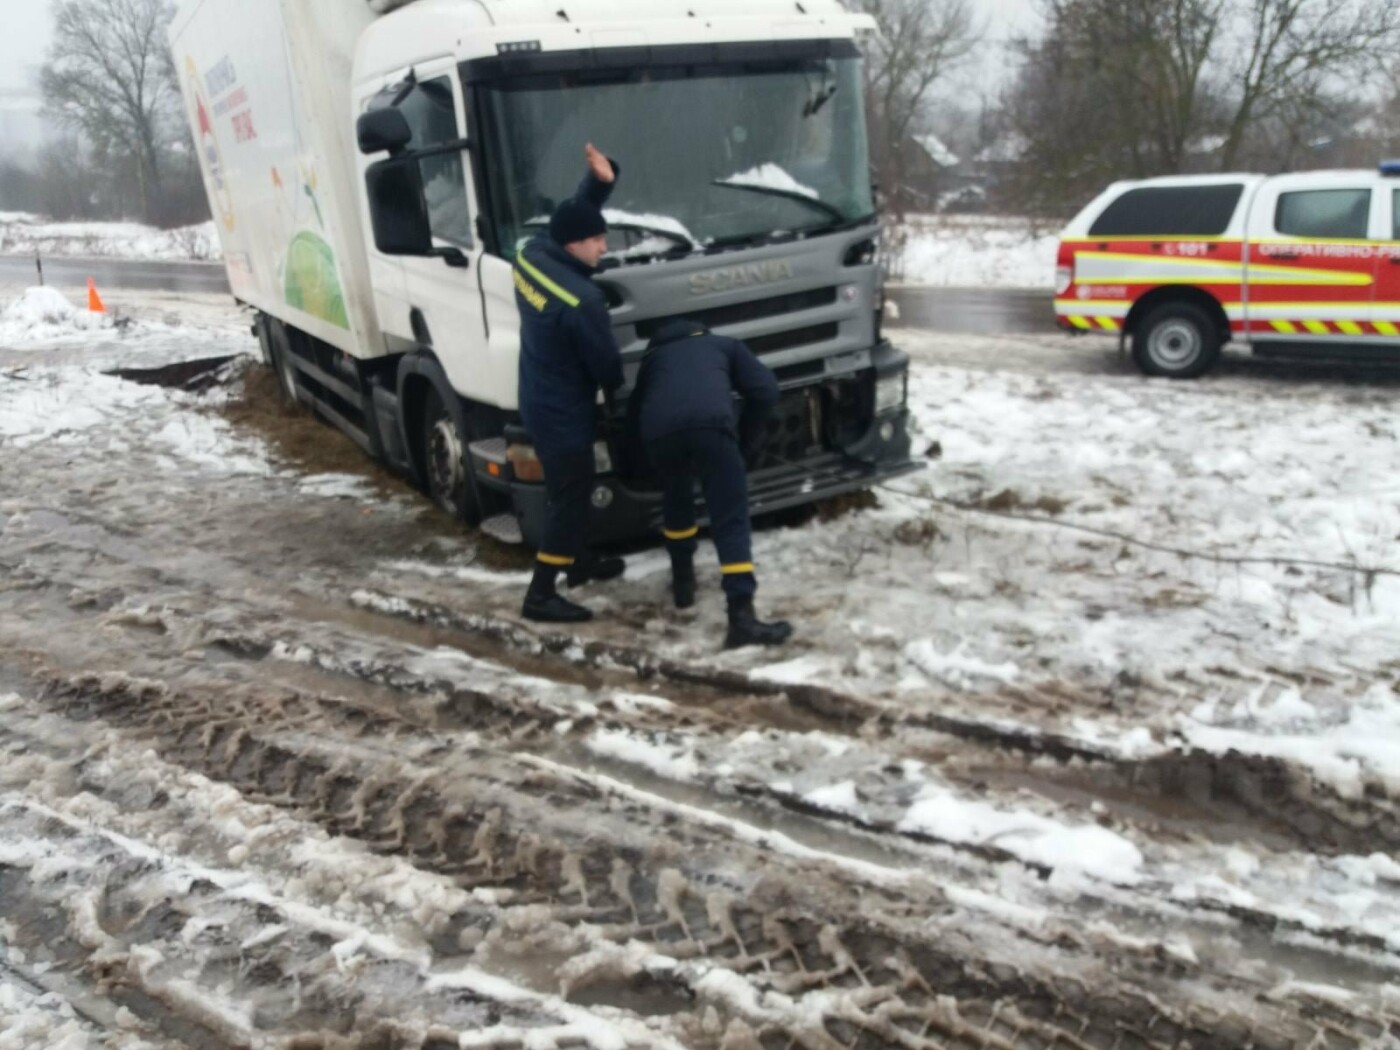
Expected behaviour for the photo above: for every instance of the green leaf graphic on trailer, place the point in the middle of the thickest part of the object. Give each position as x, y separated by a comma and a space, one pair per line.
312, 284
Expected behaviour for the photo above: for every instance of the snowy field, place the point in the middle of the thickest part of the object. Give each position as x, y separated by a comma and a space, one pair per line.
1090, 736
941, 250
23, 234
973, 251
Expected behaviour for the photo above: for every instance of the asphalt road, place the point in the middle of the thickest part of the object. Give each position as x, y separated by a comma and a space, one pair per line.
117, 273
978, 311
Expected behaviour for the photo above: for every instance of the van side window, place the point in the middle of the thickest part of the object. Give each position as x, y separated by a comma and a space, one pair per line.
1341, 214
432, 117
1170, 211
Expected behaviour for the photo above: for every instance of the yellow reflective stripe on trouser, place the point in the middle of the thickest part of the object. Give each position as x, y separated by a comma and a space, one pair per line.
554, 559
736, 568
566, 296
681, 534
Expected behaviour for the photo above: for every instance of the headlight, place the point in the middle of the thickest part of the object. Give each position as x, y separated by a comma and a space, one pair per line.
889, 392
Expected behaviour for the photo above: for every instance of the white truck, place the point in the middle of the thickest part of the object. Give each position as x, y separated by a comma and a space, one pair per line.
373, 167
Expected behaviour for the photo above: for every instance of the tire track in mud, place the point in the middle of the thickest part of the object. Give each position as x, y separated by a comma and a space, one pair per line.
522, 713
1195, 786
1217, 795
801, 939
275, 752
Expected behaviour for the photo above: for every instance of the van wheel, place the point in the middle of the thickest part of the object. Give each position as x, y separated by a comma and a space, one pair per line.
445, 462
1177, 340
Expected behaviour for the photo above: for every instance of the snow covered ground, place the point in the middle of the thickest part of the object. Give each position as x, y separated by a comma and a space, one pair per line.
1088, 736
973, 251
23, 234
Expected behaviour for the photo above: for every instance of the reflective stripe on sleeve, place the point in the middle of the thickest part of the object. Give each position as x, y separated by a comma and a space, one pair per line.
562, 294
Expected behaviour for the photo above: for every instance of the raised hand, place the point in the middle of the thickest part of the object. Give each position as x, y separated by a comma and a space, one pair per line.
598, 164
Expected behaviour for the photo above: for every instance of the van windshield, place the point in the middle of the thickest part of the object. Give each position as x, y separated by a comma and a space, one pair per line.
708, 154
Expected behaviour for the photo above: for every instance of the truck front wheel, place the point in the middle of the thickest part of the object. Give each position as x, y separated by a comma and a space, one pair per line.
445, 460
1177, 340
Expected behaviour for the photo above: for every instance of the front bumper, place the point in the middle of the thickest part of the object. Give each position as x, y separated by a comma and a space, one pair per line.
620, 512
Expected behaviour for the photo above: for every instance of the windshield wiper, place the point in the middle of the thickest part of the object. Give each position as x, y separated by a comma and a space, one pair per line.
830, 210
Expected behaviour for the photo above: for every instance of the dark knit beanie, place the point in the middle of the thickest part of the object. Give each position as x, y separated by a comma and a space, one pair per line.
576, 220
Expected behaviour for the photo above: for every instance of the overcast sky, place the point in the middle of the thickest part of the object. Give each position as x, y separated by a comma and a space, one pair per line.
24, 41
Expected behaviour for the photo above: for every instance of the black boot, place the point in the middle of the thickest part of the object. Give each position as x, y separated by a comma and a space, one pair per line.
683, 582
546, 605
745, 628
591, 567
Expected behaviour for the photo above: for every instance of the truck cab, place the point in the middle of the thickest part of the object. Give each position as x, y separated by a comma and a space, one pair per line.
744, 201
1298, 264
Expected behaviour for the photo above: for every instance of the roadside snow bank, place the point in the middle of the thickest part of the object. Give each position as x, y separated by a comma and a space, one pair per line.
44, 313
22, 234
972, 252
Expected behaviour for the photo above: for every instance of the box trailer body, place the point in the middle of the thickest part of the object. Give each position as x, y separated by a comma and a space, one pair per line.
744, 202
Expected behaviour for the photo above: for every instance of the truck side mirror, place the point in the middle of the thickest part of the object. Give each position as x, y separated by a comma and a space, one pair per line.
383, 130
398, 210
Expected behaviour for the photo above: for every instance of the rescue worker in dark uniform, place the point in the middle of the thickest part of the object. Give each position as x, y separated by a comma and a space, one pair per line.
683, 412
567, 353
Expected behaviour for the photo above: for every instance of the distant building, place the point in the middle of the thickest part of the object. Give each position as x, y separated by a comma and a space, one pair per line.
937, 179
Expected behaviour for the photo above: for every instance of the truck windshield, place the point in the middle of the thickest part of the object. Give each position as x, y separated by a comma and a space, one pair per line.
708, 155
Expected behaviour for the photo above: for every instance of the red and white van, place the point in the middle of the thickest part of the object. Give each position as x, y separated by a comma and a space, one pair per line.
1285, 264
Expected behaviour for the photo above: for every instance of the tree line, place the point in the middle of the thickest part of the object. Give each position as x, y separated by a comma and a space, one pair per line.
1114, 89
122, 147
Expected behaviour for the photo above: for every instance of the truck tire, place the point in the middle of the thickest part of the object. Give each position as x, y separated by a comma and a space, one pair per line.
1177, 340
279, 351
446, 469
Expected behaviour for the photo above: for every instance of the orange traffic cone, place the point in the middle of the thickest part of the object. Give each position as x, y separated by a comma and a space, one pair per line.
94, 300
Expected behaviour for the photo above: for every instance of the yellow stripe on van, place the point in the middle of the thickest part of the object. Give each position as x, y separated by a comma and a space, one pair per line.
1079, 322
1286, 327
1317, 327
1107, 322
1350, 327
1386, 328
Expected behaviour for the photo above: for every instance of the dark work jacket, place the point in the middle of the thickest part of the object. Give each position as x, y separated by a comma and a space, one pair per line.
688, 380
567, 349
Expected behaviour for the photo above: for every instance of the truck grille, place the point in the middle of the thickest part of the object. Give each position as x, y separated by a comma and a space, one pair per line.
794, 431
816, 333
754, 310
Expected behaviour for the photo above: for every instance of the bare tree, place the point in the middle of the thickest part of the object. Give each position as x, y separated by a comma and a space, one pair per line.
1114, 88
109, 77
919, 43
1294, 56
